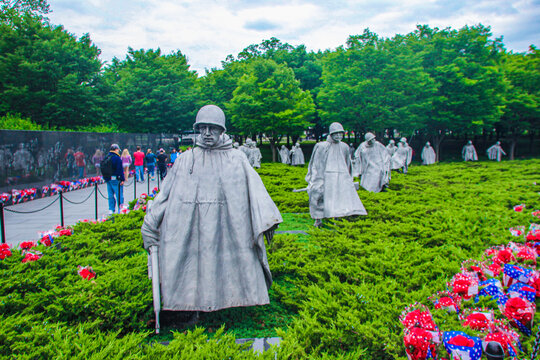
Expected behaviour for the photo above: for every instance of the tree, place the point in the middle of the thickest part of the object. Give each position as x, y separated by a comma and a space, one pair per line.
47, 74
463, 64
521, 97
269, 100
151, 92
375, 84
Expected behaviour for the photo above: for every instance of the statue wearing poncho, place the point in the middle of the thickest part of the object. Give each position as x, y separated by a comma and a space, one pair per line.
374, 164
495, 152
284, 155
428, 155
330, 185
297, 156
208, 221
469, 152
402, 157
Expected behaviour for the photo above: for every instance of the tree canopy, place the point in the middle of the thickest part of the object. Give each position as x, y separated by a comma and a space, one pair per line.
430, 82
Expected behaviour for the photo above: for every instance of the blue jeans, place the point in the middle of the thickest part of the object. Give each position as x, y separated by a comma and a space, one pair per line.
114, 192
151, 168
81, 172
139, 173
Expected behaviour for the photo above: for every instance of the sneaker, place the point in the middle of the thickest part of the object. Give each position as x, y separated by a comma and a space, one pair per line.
111, 212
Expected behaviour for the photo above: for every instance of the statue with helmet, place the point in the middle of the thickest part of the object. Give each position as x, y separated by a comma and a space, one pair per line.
402, 157
205, 229
331, 190
495, 152
428, 155
374, 164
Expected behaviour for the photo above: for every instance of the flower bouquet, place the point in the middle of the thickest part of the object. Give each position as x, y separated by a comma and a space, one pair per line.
462, 346
86, 272
445, 300
520, 313
464, 285
478, 319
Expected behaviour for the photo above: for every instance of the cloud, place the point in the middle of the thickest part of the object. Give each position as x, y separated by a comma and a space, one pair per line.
206, 31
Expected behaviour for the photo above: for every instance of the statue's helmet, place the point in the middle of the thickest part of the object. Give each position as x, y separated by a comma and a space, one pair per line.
469, 142
248, 141
428, 143
403, 140
498, 143
369, 136
335, 127
212, 115
391, 141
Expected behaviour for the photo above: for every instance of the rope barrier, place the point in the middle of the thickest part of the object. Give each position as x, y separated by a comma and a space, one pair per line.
33, 211
100, 193
78, 202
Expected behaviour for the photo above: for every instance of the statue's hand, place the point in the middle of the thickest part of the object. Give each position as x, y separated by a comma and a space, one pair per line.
269, 234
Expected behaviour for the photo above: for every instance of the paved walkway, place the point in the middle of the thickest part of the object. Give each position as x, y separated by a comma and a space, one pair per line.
22, 227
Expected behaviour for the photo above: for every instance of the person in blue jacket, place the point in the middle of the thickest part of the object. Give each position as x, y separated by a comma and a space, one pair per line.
150, 163
115, 183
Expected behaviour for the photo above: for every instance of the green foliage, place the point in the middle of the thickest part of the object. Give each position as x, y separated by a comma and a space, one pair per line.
46, 73
269, 100
150, 92
337, 291
15, 122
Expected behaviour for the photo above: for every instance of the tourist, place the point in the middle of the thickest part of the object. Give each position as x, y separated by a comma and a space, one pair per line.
138, 161
150, 163
113, 175
162, 160
126, 162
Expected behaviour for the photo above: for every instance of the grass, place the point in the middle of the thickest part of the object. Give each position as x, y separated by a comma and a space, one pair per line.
337, 291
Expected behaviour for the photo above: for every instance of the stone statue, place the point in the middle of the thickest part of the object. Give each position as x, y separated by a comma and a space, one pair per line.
235, 145
330, 184
208, 225
255, 154
495, 152
391, 147
374, 164
284, 154
428, 155
297, 156
469, 152
402, 157
246, 149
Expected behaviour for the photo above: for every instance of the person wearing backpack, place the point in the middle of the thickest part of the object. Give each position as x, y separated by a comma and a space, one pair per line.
113, 174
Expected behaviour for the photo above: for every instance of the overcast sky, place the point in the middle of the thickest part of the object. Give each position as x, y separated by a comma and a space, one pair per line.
207, 31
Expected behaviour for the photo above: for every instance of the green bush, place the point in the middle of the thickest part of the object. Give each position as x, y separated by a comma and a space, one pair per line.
338, 291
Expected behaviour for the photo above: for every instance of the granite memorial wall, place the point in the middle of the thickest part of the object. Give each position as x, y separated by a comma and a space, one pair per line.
40, 157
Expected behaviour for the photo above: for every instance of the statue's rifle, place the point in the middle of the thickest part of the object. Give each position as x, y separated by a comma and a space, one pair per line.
154, 258
356, 186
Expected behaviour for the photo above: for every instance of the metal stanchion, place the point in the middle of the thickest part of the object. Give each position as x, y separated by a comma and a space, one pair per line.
148, 184
3, 225
158, 177
61, 209
95, 198
135, 185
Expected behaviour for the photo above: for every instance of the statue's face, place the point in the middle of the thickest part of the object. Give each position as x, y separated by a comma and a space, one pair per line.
210, 134
337, 137
371, 142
